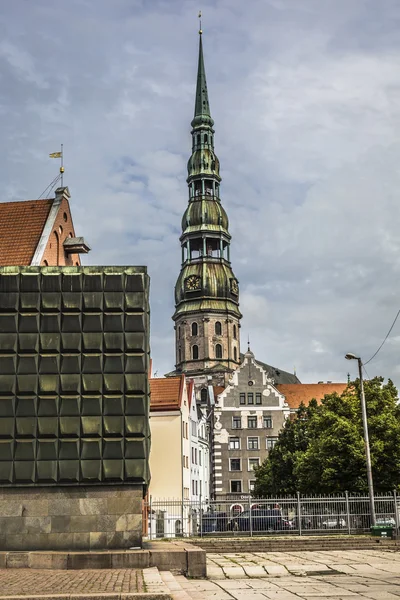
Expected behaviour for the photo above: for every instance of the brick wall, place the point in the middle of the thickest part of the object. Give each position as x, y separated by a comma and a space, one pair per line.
63, 228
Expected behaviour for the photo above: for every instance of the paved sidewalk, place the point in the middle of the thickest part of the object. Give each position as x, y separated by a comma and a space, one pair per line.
352, 575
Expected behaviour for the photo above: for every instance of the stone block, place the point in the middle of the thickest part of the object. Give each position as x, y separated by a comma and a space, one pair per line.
60, 524
137, 559
105, 523
48, 560
97, 540
93, 506
81, 541
129, 522
169, 560
82, 524
196, 563
8, 508
64, 506
17, 560
115, 540
37, 524
3, 560
35, 508
86, 560
60, 541
10, 525
122, 506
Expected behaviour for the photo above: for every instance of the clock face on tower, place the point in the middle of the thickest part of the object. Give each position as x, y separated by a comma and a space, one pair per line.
192, 283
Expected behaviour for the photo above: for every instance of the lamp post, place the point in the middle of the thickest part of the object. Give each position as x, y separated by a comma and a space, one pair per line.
351, 356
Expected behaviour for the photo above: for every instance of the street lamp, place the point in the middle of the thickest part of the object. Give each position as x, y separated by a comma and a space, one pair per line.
351, 356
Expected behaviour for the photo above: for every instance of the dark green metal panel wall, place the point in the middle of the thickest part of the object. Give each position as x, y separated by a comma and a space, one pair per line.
74, 362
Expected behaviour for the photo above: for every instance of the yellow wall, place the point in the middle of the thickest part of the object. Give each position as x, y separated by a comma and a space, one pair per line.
166, 456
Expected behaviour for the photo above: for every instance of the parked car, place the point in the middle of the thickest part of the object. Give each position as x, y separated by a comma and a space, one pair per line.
334, 523
385, 522
261, 520
212, 522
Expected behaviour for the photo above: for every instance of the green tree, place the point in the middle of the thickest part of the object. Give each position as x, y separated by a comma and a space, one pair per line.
322, 449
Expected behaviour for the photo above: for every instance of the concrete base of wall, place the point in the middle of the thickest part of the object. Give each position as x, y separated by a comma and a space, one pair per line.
177, 557
71, 518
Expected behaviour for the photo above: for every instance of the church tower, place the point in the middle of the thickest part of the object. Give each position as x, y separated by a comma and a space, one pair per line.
207, 316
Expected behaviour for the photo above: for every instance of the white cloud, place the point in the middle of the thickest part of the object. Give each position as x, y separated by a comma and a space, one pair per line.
305, 97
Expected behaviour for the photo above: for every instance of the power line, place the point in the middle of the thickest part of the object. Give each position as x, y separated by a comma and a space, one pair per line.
49, 187
387, 335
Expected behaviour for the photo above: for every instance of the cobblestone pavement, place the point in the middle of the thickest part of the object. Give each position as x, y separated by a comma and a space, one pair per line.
28, 582
340, 575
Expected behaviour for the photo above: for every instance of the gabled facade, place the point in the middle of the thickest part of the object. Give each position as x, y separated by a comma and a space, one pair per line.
199, 449
39, 233
248, 416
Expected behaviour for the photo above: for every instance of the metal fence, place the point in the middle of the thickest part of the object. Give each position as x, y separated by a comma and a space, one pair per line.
298, 515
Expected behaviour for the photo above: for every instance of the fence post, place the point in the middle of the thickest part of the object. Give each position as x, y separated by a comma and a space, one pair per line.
396, 512
299, 512
348, 512
150, 514
250, 519
200, 517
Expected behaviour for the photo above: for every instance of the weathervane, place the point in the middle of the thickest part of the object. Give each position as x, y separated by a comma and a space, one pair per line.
200, 30
61, 156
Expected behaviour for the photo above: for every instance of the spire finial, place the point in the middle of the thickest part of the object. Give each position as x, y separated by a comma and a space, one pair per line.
200, 29
248, 344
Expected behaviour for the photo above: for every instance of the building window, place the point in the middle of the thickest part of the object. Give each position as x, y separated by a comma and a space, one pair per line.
195, 329
234, 443
45, 263
236, 423
234, 464
218, 351
271, 442
179, 333
200, 458
218, 328
258, 398
250, 398
234, 332
236, 486
180, 355
242, 398
252, 483
235, 354
253, 463
195, 352
65, 217
252, 422
252, 443
203, 395
268, 422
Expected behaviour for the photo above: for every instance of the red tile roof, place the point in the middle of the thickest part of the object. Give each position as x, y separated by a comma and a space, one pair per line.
166, 393
295, 393
21, 226
218, 389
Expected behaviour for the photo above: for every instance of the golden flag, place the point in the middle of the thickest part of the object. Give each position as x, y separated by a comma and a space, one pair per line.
55, 155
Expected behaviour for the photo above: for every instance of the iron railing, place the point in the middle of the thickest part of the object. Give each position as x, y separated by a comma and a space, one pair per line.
298, 515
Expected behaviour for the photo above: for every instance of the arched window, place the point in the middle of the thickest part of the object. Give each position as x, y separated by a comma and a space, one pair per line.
198, 139
203, 395
45, 263
205, 138
234, 354
195, 352
179, 333
180, 355
218, 351
234, 332
57, 245
194, 329
218, 328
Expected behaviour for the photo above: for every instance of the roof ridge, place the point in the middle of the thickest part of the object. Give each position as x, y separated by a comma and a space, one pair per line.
26, 201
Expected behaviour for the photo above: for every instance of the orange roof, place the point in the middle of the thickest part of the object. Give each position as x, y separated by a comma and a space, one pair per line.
166, 393
21, 226
295, 393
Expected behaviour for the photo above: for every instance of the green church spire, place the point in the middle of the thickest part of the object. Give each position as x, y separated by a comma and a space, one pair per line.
202, 115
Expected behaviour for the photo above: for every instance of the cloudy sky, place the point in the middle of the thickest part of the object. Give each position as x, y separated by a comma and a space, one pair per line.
306, 101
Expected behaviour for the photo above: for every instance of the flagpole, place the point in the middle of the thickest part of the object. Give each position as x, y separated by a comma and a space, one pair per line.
62, 165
